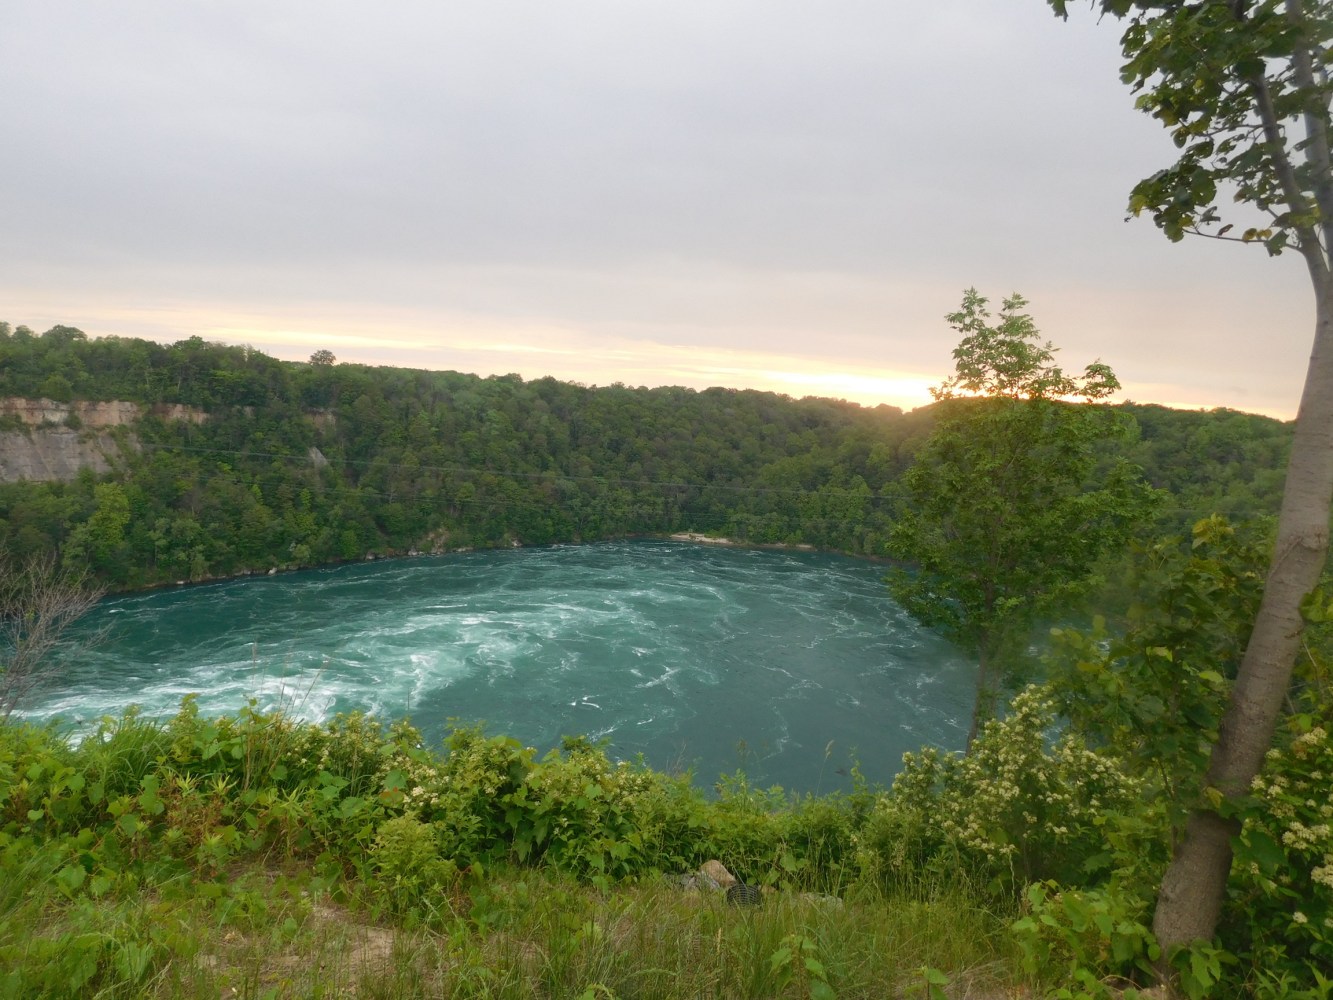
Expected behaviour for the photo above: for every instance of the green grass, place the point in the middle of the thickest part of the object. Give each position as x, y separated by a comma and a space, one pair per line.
261, 932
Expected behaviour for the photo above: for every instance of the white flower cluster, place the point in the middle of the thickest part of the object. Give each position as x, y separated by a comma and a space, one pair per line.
1295, 809
1304, 838
426, 783
1016, 796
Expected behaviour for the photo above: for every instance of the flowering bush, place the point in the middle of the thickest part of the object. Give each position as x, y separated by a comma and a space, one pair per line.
1281, 912
1017, 808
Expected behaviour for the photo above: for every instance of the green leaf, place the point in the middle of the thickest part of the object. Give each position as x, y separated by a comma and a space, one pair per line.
1260, 848
70, 878
934, 977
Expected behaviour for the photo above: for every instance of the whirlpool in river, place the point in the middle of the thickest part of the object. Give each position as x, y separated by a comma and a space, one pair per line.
792, 666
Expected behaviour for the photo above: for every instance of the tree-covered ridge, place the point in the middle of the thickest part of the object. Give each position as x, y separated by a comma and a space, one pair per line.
1218, 461
300, 464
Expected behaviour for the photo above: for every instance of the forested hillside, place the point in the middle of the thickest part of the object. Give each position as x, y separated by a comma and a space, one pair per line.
298, 464
1212, 462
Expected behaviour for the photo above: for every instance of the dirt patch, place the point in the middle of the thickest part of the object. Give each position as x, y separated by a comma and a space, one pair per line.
330, 948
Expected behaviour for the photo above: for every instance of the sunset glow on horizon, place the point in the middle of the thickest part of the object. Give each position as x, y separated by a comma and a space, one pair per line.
731, 194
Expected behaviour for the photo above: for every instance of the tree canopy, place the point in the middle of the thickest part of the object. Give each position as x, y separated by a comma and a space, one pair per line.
1008, 508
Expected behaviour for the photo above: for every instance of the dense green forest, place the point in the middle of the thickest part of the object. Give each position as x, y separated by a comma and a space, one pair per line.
299, 464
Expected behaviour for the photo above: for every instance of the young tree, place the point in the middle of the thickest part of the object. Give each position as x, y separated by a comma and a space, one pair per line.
39, 601
1006, 513
1243, 87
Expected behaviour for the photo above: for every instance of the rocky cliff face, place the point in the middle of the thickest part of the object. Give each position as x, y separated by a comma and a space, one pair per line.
94, 414
49, 448
50, 453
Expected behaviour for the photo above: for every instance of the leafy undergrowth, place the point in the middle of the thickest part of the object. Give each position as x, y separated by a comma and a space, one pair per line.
258, 856
255, 855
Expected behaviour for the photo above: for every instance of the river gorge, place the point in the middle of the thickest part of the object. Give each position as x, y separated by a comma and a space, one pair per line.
788, 664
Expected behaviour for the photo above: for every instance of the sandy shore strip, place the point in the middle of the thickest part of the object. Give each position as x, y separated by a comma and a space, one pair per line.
694, 536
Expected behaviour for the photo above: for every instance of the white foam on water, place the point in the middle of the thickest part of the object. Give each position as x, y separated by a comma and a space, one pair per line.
664, 642
664, 680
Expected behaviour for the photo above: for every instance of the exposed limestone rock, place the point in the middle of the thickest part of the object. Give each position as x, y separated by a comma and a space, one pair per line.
179, 411
323, 419
39, 412
55, 453
63, 438
94, 413
716, 872
437, 542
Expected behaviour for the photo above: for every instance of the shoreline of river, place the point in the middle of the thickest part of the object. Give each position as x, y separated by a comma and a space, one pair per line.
684, 537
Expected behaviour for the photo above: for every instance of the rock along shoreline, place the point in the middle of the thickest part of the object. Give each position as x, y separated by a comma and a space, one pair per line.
695, 538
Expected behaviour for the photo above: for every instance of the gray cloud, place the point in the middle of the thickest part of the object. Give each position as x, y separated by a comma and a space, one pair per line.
790, 177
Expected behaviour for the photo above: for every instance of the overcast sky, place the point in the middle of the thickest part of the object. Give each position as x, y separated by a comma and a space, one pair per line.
755, 193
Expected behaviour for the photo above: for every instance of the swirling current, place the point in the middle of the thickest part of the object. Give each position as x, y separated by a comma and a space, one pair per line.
789, 665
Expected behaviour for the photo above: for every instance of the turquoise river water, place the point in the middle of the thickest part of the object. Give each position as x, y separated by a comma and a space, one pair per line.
700, 657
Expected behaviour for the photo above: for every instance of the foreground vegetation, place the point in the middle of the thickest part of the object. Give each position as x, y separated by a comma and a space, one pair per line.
267, 857
279, 933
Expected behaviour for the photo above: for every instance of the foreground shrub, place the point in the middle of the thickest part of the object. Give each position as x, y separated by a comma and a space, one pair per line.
1279, 916
407, 871
1086, 938
1018, 808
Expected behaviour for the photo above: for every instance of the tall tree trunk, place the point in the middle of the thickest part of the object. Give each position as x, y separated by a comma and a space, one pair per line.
1194, 885
981, 706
